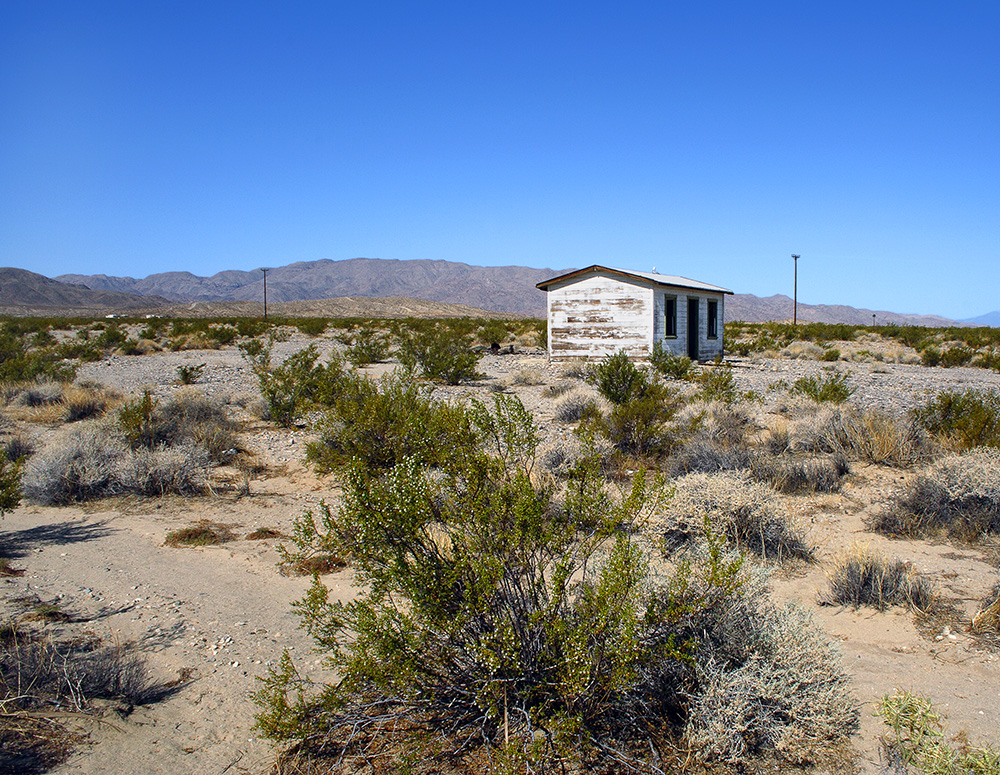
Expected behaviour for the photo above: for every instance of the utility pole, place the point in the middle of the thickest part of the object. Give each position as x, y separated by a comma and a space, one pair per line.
265, 271
795, 292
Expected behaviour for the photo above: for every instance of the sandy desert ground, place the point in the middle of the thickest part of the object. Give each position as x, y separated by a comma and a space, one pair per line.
214, 618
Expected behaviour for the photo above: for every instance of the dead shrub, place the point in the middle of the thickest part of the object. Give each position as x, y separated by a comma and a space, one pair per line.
86, 401
864, 577
777, 440
180, 469
264, 533
316, 565
202, 533
958, 495
701, 455
36, 394
17, 448
41, 678
188, 417
748, 513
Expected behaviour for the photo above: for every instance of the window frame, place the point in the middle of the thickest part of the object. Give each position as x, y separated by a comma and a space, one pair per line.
712, 319
669, 322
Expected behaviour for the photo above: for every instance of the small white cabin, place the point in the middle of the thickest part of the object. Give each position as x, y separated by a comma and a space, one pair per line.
599, 311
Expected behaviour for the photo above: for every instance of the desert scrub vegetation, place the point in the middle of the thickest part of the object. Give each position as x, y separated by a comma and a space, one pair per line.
524, 628
365, 345
294, 386
202, 533
963, 419
44, 680
914, 740
45, 401
440, 353
732, 505
862, 576
377, 424
958, 495
669, 365
830, 387
188, 416
95, 460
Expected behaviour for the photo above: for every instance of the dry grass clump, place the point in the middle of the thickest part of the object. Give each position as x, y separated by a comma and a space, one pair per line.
803, 351
263, 533
43, 680
747, 512
791, 474
575, 406
17, 447
864, 577
94, 461
871, 436
202, 533
529, 376
558, 389
987, 619
958, 495
55, 402
915, 739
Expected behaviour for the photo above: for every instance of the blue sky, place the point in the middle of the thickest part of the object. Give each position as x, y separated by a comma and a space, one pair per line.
710, 140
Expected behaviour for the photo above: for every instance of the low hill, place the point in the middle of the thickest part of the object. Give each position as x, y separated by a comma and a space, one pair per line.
23, 291
754, 309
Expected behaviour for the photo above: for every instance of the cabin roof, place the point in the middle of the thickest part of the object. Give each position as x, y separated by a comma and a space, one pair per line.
659, 279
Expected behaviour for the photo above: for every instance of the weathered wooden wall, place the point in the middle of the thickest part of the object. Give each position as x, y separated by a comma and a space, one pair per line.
600, 315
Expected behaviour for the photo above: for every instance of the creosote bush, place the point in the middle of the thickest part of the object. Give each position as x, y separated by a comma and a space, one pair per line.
442, 354
365, 346
500, 619
295, 385
668, 364
831, 387
964, 419
958, 495
864, 577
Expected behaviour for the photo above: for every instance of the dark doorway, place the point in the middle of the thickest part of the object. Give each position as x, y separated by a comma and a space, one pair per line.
693, 324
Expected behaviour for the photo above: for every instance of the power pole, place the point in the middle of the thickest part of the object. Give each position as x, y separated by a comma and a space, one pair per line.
265, 271
795, 292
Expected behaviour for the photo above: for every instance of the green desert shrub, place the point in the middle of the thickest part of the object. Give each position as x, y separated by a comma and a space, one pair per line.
964, 419
189, 373
644, 426
493, 332
864, 577
958, 495
731, 504
618, 379
294, 386
831, 387
379, 423
956, 356
668, 364
367, 345
718, 384
930, 356
442, 354
312, 326
483, 608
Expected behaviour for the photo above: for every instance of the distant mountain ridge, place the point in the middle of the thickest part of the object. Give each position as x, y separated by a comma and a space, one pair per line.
509, 289
21, 288
989, 319
500, 288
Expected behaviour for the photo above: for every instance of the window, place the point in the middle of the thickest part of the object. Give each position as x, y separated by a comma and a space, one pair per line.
670, 316
713, 319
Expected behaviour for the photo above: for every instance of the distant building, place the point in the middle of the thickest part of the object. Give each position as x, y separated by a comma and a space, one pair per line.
600, 311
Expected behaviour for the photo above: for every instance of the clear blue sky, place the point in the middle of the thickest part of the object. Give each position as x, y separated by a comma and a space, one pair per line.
707, 139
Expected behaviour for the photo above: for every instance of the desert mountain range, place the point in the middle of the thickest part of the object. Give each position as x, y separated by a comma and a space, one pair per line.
352, 286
